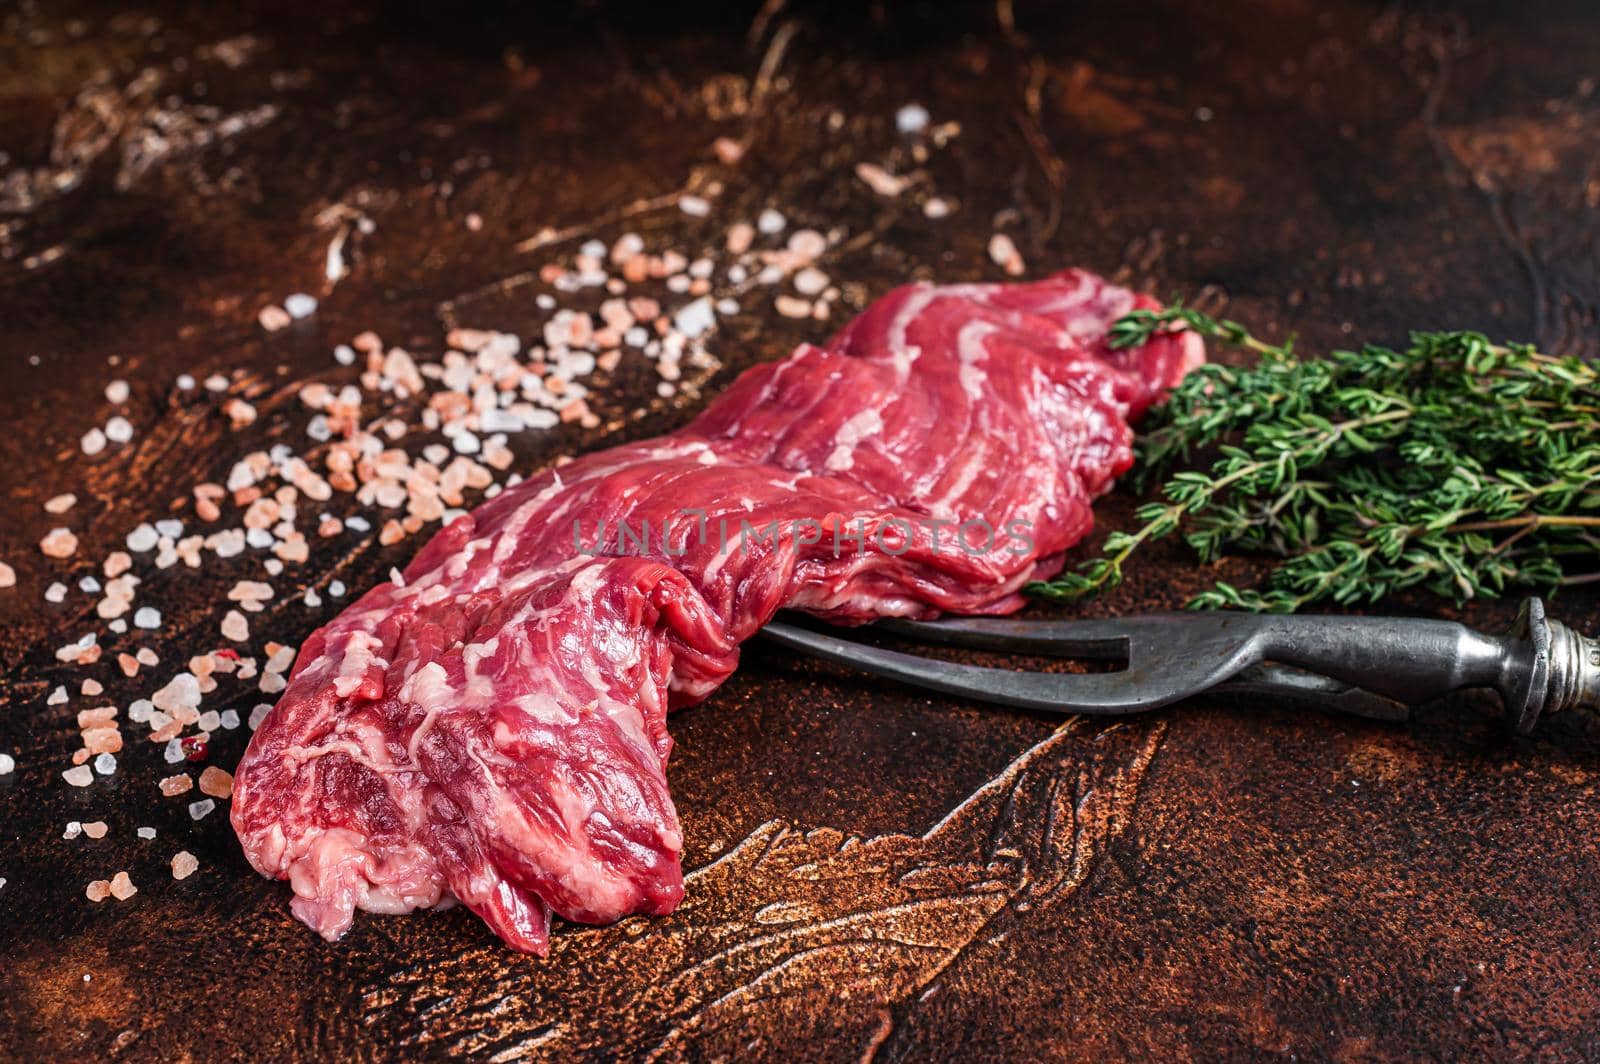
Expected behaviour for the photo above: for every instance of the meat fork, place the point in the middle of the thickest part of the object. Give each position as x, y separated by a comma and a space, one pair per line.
1374, 667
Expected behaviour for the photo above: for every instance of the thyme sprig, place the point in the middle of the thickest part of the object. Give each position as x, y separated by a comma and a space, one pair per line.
1456, 465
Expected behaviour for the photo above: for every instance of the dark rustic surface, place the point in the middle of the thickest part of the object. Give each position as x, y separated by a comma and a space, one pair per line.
877, 871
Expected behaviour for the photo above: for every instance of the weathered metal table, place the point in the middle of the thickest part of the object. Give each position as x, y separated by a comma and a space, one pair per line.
878, 872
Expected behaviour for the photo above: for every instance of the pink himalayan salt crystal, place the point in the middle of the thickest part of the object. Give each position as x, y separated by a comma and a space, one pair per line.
273, 318
59, 543
216, 782
171, 786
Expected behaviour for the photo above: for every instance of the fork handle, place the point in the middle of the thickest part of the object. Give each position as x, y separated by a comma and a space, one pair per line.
1411, 660
1539, 666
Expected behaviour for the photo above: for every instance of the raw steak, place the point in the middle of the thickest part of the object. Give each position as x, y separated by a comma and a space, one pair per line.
492, 729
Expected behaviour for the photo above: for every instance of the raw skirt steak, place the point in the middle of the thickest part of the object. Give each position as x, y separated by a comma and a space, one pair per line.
492, 728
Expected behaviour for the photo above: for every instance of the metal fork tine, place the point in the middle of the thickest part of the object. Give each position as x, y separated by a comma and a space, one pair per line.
1109, 693
1093, 639
1113, 693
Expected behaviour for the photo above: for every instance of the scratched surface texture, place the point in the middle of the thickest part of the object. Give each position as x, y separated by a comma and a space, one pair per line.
875, 873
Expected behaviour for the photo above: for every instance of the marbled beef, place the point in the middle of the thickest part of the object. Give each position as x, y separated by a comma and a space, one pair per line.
492, 728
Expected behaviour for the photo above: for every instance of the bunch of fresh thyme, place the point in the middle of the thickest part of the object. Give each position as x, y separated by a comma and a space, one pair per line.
1455, 465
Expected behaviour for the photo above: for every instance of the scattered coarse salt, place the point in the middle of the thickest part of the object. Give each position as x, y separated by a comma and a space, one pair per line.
56, 592
771, 222
740, 237
83, 650
96, 829
8, 576
790, 307
119, 430
934, 207
273, 317
1003, 253
58, 696
146, 833
227, 544
727, 150
695, 318
182, 691
216, 782
122, 887
810, 281
89, 718
98, 891
102, 739
74, 829
172, 786
93, 442
239, 413
235, 627
143, 538
880, 180
807, 244
911, 119
8, 764
250, 594
486, 387
694, 206
184, 864
59, 543
60, 504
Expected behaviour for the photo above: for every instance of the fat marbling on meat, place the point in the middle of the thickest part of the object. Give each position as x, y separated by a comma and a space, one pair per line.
492, 727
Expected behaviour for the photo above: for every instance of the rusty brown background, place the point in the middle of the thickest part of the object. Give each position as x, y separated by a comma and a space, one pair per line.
877, 872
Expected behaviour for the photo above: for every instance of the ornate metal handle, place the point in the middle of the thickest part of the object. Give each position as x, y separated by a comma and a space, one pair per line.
1550, 667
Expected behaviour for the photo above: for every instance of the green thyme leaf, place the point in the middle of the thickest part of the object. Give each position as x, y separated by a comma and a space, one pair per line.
1455, 465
